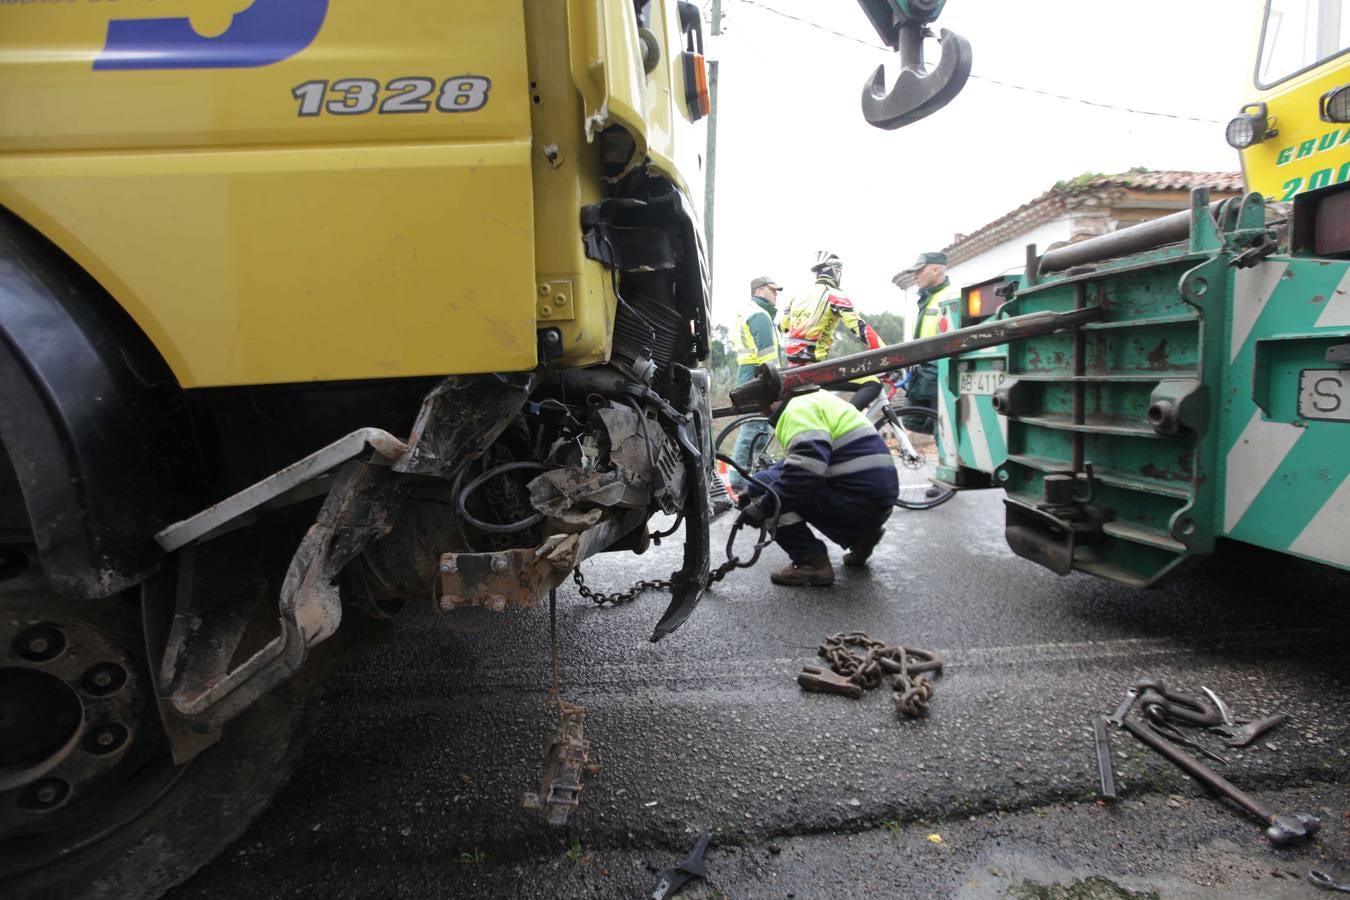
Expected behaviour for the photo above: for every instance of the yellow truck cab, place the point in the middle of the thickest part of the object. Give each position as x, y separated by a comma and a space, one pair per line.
309, 310
1293, 135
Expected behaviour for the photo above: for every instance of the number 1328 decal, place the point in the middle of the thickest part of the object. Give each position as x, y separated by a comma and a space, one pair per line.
354, 96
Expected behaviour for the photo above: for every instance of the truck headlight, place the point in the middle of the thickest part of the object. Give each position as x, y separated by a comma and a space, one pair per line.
1252, 126
1334, 105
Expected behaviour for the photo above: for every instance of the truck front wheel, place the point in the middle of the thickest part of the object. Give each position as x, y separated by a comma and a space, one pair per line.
91, 804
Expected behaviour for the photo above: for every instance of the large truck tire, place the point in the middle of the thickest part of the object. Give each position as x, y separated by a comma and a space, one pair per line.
91, 803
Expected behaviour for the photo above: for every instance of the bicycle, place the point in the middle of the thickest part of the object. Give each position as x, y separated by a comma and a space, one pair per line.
910, 432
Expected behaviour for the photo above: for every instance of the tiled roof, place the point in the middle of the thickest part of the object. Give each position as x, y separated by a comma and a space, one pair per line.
1087, 190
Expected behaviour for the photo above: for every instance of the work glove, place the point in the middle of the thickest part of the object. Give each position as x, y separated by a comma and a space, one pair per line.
754, 513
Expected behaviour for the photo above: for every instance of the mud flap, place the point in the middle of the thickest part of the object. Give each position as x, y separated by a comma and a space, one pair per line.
687, 585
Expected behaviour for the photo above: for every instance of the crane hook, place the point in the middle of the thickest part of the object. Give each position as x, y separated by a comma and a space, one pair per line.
917, 94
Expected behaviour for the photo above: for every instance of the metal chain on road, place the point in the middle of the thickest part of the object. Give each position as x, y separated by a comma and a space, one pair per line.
601, 598
911, 690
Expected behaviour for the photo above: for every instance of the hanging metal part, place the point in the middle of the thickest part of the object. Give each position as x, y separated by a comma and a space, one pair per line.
917, 93
520, 577
568, 757
210, 691
688, 584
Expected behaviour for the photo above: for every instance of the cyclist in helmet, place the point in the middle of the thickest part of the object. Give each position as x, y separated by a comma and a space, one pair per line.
813, 317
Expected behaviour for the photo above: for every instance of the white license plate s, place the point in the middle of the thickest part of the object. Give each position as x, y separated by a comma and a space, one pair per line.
1324, 394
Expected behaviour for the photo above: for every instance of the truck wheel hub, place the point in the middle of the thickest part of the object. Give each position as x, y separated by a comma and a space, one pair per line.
69, 707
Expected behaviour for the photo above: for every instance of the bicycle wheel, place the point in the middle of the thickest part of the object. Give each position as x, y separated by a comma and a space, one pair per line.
911, 433
763, 450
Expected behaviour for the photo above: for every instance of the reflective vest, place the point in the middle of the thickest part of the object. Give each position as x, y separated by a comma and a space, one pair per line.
811, 320
931, 312
831, 443
756, 338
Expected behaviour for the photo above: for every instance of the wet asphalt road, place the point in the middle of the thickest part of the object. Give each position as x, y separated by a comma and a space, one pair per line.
412, 782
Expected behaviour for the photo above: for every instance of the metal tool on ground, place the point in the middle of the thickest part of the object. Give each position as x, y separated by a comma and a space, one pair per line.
676, 877
1241, 733
1123, 709
1325, 882
825, 681
1105, 768
911, 690
1282, 829
1165, 730
1225, 713
1163, 704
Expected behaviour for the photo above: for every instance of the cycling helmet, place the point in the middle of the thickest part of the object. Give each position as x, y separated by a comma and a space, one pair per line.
828, 266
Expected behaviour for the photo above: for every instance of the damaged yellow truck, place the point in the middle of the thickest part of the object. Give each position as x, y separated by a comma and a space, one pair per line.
309, 310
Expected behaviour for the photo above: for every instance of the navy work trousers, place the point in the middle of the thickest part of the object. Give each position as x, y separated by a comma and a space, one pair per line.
842, 518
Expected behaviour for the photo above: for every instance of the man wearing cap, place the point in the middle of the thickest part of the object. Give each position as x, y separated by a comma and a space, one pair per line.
756, 343
930, 277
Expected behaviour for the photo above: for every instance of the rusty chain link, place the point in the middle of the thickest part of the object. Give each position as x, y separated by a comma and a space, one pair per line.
911, 690
601, 598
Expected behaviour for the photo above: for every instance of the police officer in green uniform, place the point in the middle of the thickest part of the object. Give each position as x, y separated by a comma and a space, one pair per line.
756, 342
930, 276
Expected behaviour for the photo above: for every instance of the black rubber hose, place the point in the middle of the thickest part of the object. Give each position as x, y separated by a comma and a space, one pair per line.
510, 527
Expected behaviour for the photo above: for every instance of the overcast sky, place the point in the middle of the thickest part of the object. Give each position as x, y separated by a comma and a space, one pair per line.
798, 170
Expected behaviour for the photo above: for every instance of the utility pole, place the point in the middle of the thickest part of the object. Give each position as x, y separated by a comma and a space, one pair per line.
710, 179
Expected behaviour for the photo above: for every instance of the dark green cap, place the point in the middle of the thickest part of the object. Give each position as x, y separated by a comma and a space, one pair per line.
926, 259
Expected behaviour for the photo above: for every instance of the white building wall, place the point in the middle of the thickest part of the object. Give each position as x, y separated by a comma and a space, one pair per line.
1010, 255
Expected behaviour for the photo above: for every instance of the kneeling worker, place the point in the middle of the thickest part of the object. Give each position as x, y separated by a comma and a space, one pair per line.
838, 476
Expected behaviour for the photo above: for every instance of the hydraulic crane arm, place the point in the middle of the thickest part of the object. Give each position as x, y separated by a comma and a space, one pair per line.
770, 385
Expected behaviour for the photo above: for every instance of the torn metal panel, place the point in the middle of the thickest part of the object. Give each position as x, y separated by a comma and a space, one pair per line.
460, 419
292, 478
576, 499
196, 676
688, 584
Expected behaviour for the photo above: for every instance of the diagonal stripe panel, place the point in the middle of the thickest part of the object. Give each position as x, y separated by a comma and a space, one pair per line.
968, 409
1253, 459
1337, 311
1327, 536
1253, 289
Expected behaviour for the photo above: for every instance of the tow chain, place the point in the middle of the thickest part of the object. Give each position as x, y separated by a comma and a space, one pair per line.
601, 598
910, 688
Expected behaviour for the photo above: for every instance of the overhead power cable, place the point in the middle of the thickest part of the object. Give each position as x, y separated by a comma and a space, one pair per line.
1007, 84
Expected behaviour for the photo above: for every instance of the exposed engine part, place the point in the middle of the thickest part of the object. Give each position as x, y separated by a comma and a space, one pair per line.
647, 333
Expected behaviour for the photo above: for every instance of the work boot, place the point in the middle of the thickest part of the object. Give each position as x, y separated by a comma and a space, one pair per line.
861, 548
813, 572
